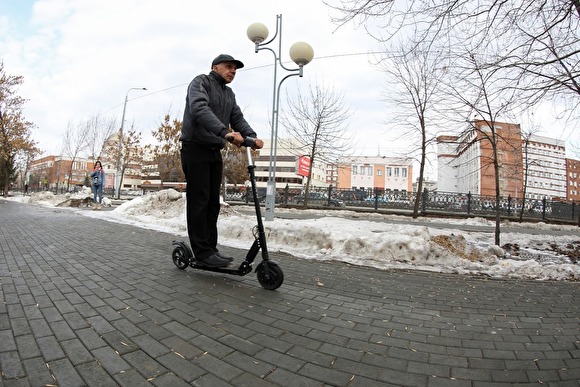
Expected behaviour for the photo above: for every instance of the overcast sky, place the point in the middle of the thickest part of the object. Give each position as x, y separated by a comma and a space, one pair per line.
79, 59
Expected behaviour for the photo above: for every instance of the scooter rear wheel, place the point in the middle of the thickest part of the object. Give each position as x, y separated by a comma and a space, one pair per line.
269, 274
180, 258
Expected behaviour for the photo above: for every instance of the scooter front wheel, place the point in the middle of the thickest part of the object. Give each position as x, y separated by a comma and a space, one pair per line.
180, 258
269, 274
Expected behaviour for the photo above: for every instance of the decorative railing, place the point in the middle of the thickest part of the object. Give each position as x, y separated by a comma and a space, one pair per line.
430, 202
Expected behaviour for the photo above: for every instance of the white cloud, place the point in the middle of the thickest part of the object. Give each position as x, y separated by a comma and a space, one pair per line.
79, 58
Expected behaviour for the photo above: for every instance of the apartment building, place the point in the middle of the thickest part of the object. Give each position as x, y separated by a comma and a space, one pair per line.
53, 172
545, 159
375, 172
465, 163
287, 172
365, 172
447, 147
573, 180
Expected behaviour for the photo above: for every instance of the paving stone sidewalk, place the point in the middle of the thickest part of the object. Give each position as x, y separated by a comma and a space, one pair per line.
87, 302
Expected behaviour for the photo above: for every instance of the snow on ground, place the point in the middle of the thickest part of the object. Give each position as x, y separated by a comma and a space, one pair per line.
368, 239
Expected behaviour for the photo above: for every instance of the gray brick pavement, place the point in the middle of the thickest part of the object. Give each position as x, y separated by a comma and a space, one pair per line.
87, 302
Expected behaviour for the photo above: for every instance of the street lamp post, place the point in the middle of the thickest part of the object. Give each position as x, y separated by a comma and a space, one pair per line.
118, 172
301, 53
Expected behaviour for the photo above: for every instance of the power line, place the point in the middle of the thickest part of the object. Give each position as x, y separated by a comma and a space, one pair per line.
143, 95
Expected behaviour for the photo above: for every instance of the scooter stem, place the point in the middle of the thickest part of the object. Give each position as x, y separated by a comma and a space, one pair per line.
261, 232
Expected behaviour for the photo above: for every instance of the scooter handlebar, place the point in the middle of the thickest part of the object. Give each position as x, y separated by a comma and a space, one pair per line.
248, 141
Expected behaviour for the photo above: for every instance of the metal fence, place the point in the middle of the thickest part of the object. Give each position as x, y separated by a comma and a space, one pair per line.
431, 203
442, 203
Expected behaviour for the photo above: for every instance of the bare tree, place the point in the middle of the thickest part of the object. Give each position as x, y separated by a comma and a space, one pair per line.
166, 152
481, 91
235, 164
129, 153
575, 149
15, 130
545, 49
318, 123
76, 140
235, 169
537, 43
527, 162
415, 79
531, 48
100, 130
22, 164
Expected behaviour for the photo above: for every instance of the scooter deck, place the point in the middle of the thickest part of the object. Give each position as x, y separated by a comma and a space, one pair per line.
244, 268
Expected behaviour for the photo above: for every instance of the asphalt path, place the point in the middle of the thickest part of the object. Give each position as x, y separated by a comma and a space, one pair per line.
87, 302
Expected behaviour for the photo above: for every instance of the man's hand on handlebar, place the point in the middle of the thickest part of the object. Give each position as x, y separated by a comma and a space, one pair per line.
254, 143
235, 138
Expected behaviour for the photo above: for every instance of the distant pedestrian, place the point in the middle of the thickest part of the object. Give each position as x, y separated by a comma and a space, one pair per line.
97, 181
25, 189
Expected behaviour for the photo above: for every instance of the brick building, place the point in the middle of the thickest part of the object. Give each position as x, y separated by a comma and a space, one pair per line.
375, 172
573, 180
465, 163
53, 172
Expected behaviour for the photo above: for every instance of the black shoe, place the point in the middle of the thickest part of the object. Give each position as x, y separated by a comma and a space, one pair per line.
213, 261
226, 257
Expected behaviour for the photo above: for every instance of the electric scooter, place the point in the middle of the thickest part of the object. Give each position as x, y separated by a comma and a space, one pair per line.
269, 274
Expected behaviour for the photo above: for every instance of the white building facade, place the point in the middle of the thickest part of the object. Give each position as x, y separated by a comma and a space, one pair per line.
447, 163
461, 161
288, 152
376, 172
546, 160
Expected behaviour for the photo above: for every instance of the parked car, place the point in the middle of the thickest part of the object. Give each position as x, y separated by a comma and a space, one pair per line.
378, 199
261, 191
318, 198
351, 196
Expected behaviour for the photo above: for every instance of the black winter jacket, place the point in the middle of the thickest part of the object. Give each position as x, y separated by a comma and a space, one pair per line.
210, 110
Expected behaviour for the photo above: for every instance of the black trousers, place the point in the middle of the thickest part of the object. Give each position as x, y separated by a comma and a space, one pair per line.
203, 173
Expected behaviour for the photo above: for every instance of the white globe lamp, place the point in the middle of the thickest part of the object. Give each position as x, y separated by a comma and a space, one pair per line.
301, 53
257, 32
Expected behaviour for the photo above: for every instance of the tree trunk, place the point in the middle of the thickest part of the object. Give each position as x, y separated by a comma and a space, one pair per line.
497, 192
421, 170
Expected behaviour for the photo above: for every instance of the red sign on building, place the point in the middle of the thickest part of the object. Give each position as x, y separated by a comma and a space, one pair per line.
303, 166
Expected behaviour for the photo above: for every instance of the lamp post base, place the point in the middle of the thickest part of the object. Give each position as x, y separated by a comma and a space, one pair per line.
270, 201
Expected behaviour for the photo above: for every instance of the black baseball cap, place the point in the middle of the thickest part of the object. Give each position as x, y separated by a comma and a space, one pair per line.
226, 58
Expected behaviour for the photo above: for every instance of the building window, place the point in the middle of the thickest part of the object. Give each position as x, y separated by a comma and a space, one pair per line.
354, 169
404, 172
389, 171
396, 172
379, 172
370, 171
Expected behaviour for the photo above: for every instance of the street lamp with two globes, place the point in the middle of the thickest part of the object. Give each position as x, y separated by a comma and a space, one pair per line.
118, 171
301, 53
